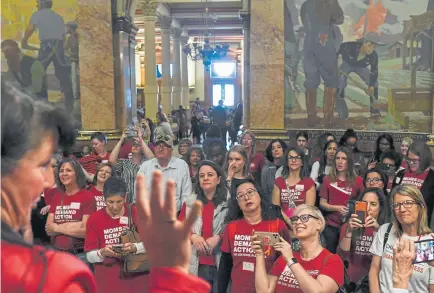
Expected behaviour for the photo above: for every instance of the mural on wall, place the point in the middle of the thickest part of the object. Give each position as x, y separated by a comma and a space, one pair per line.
40, 50
363, 64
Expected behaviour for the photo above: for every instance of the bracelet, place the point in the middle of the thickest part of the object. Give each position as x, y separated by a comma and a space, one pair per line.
99, 253
347, 236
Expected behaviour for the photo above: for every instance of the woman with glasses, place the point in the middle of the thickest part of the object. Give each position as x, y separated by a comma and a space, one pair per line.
409, 221
322, 167
248, 212
207, 233
312, 269
390, 163
274, 153
338, 187
183, 146
237, 165
294, 187
194, 157
256, 159
376, 178
384, 144
419, 174
104, 172
357, 235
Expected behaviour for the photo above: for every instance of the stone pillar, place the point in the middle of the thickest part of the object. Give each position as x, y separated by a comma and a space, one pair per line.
245, 17
176, 70
166, 86
185, 91
151, 90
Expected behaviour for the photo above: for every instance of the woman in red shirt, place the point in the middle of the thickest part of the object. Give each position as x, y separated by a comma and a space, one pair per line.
338, 187
356, 237
26, 171
248, 211
312, 269
256, 159
194, 156
208, 231
70, 209
99, 155
104, 229
294, 187
104, 172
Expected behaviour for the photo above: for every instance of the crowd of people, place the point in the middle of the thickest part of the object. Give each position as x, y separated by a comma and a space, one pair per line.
147, 217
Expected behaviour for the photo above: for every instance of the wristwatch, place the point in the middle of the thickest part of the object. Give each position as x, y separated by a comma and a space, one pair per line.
291, 262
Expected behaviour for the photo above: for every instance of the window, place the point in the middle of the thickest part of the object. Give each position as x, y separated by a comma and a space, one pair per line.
225, 92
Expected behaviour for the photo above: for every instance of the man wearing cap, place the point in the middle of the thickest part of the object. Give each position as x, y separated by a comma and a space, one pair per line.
357, 57
51, 31
24, 71
171, 167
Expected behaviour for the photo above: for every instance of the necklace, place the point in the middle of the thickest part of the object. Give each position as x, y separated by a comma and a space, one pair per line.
315, 255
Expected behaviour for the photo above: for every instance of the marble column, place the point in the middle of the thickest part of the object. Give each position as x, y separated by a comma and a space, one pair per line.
245, 17
185, 91
151, 90
176, 69
166, 86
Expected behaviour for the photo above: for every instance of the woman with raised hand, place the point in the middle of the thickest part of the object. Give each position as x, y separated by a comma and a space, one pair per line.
312, 269
26, 171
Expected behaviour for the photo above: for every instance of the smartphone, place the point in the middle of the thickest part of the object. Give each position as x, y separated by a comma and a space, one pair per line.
361, 209
268, 238
117, 247
424, 250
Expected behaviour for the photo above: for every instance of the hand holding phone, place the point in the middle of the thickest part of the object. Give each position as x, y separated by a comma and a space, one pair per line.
424, 250
361, 210
117, 248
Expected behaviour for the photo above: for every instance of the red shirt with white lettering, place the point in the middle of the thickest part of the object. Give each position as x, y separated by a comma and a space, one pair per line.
338, 193
207, 232
71, 208
359, 258
103, 230
91, 162
236, 241
99, 198
414, 179
325, 263
293, 196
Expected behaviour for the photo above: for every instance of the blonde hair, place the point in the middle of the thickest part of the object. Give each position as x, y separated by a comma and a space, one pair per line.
315, 212
422, 218
407, 140
248, 132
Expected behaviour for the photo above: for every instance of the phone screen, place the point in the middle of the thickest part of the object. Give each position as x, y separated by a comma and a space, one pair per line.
361, 210
424, 250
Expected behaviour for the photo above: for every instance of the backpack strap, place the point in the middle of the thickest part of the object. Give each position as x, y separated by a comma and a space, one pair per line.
386, 235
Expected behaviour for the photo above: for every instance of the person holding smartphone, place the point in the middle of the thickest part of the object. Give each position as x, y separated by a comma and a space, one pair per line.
102, 244
248, 212
409, 221
358, 233
312, 269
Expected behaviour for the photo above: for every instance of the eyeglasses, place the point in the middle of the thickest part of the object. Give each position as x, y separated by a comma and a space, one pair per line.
384, 144
373, 180
302, 218
296, 158
412, 161
406, 204
389, 166
249, 193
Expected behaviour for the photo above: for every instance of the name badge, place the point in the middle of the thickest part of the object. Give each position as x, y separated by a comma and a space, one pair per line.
75, 205
123, 220
299, 187
104, 161
248, 266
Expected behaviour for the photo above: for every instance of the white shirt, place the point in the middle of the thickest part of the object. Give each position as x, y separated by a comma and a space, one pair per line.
315, 172
423, 274
49, 24
176, 170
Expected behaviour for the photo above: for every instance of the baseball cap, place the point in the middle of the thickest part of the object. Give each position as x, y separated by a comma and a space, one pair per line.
164, 138
372, 37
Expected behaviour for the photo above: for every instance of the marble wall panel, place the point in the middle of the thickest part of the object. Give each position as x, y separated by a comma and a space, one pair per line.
96, 64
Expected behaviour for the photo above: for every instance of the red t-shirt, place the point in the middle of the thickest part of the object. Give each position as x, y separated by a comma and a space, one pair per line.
103, 230
338, 193
126, 149
49, 194
325, 263
99, 198
257, 163
207, 231
414, 179
73, 209
236, 241
293, 196
359, 258
91, 162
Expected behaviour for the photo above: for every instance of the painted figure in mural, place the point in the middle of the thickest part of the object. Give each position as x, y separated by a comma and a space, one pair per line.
299, 44
71, 51
51, 30
24, 71
361, 58
320, 19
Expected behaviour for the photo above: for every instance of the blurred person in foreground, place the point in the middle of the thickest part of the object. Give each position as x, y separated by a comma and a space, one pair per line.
26, 170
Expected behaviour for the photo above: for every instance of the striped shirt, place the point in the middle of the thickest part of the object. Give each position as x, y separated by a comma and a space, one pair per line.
127, 170
176, 170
